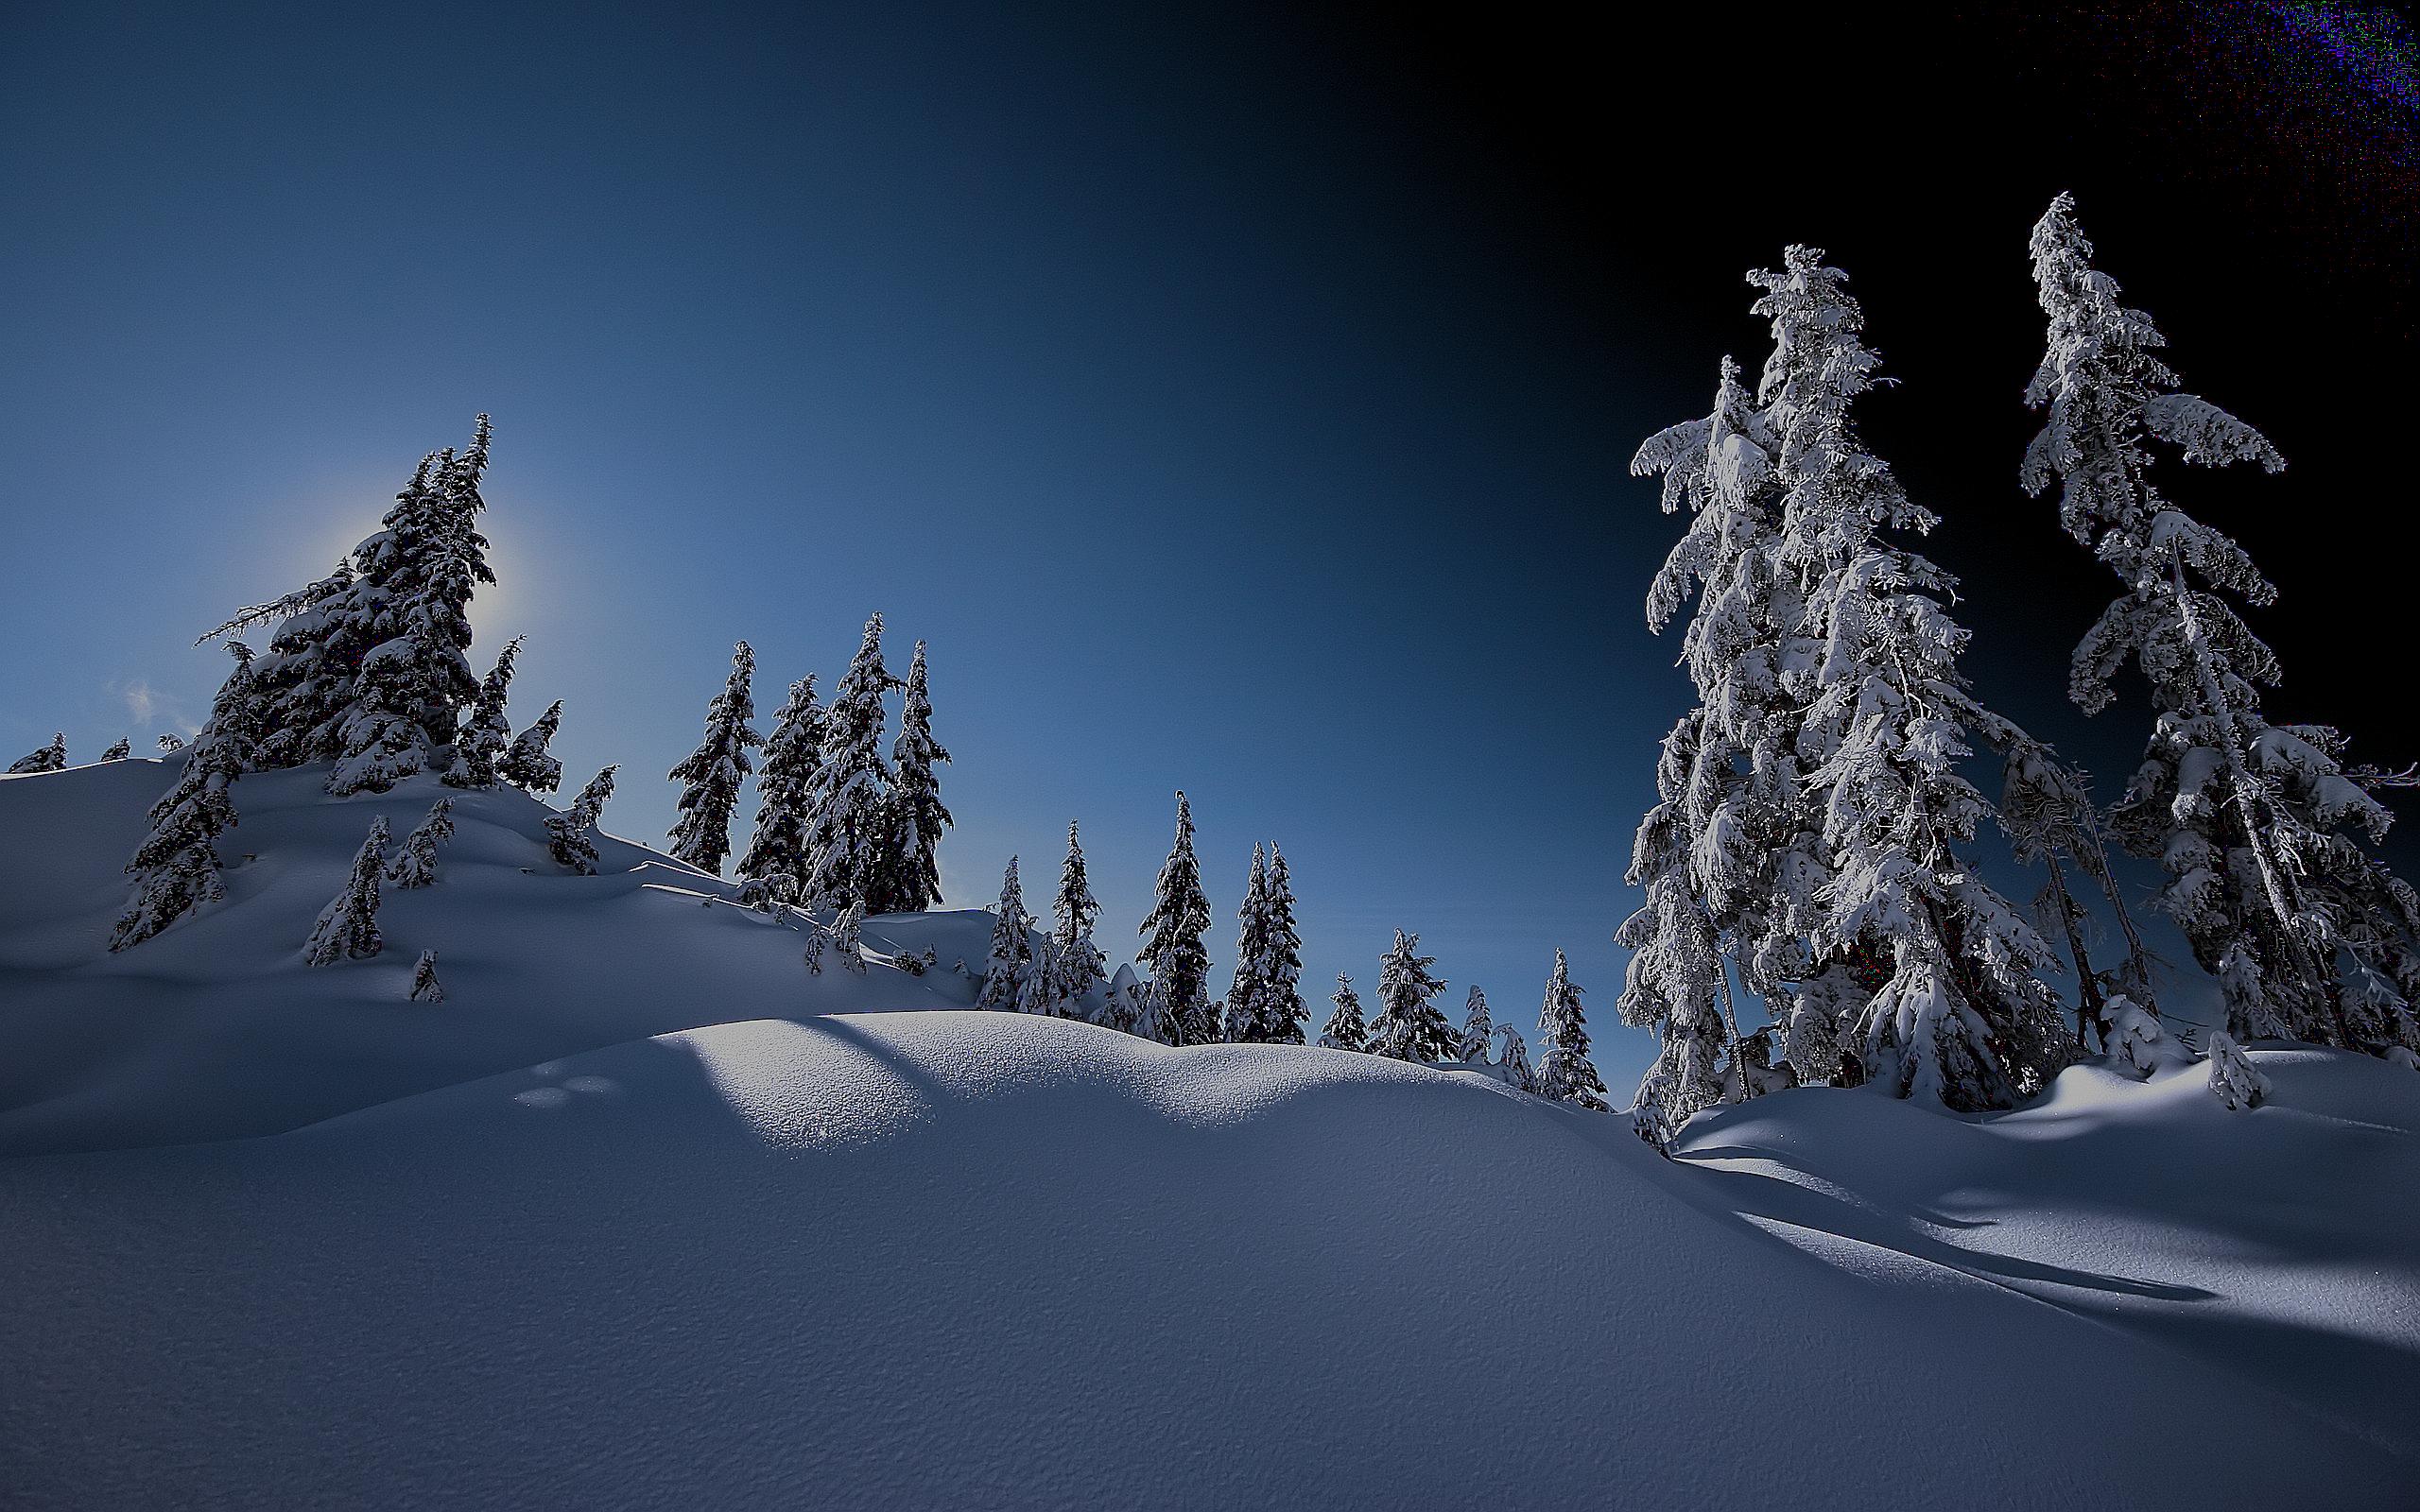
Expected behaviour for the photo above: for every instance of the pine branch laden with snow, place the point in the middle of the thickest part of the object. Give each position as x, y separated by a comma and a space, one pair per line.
1409, 1026
347, 929
414, 865
776, 854
425, 987
1477, 1028
480, 744
1567, 1073
176, 867
710, 776
1078, 973
2268, 840
50, 758
1346, 1028
908, 879
1178, 959
571, 835
118, 751
1011, 963
2235, 1081
848, 822
528, 765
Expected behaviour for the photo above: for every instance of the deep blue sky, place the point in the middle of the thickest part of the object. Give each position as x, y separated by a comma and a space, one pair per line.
1234, 402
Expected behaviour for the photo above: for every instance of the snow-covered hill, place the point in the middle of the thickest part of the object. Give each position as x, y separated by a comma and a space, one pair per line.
625, 1222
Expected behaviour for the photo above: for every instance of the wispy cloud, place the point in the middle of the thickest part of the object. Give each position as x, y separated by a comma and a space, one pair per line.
149, 706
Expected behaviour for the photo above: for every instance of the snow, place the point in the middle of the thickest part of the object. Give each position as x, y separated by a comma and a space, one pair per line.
633, 1217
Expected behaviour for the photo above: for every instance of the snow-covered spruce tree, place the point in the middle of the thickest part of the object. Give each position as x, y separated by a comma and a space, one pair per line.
1477, 1028
528, 765
119, 751
1011, 959
50, 758
2235, 1081
845, 943
1122, 1002
1676, 985
1566, 1073
2048, 814
909, 880
1174, 951
1283, 1012
348, 927
710, 776
570, 835
425, 987
1409, 1026
776, 850
1346, 1028
1512, 1059
479, 744
303, 680
1077, 970
848, 827
1961, 1015
414, 865
176, 867
1244, 992
2260, 827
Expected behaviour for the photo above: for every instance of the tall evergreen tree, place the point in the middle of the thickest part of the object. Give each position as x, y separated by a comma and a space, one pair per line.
776, 850
571, 834
1479, 1027
2261, 828
847, 818
710, 776
1178, 962
1011, 960
1409, 1026
480, 744
527, 763
50, 758
1283, 1012
909, 880
1566, 1073
1077, 968
1252, 950
1345, 1029
414, 865
1677, 984
304, 677
348, 927
176, 867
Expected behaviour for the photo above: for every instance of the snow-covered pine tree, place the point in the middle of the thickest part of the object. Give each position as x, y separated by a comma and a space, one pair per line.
710, 776
414, 865
1076, 965
1477, 1028
303, 679
570, 836
845, 942
2235, 1081
909, 880
50, 758
479, 744
176, 869
169, 742
528, 765
1677, 984
1566, 1073
776, 850
847, 824
1122, 1002
1961, 1015
1012, 959
1409, 1026
1346, 1028
1283, 1013
1178, 959
119, 751
1034, 983
425, 987
2048, 814
2260, 827
1512, 1059
348, 927
1242, 1009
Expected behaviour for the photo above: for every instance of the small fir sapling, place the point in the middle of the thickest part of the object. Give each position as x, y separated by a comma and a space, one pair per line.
415, 865
526, 764
2235, 1081
425, 987
571, 834
347, 928
117, 752
1346, 1028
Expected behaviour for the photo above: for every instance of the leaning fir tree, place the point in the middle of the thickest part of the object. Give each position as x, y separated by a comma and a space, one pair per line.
710, 776
571, 835
528, 765
176, 867
485, 736
347, 929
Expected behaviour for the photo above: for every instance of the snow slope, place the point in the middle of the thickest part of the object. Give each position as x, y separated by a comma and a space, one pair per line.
709, 1248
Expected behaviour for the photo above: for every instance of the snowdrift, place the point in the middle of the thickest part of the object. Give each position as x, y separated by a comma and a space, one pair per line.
705, 1246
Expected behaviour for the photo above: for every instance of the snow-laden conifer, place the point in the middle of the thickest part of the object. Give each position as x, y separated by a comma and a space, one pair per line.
848, 826
909, 880
1011, 958
528, 765
348, 927
176, 867
2267, 837
845, 941
1346, 1028
2235, 1081
710, 776
777, 853
571, 834
1122, 1000
1241, 1011
1077, 970
1477, 1028
485, 736
414, 865
425, 987
50, 758
303, 680
1512, 1059
169, 742
1174, 952
1566, 1073
2048, 813
118, 751
1409, 1025
1282, 1010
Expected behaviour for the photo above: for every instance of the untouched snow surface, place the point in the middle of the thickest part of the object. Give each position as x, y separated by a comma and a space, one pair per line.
701, 1247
